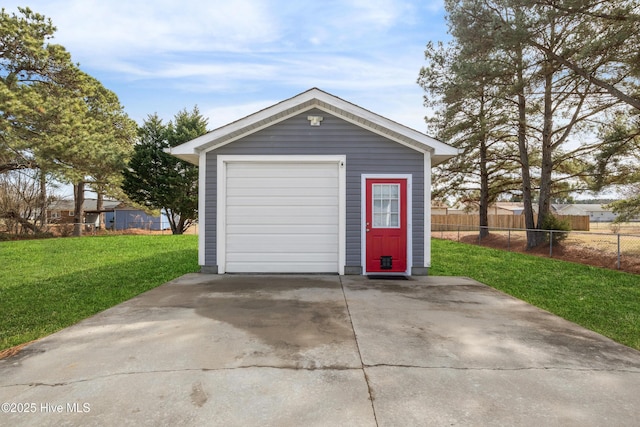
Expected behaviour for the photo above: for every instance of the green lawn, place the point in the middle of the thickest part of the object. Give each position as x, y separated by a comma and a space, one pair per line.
605, 301
46, 285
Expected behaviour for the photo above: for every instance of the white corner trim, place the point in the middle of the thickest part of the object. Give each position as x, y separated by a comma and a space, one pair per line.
363, 217
202, 182
221, 231
427, 209
221, 207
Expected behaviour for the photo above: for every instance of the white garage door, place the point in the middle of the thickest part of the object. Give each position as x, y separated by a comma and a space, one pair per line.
281, 217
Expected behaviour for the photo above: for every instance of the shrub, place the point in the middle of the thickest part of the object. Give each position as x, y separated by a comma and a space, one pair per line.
615, 227
553, 223
25, 236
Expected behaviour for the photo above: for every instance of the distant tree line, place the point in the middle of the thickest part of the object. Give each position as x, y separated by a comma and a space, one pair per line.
542, 98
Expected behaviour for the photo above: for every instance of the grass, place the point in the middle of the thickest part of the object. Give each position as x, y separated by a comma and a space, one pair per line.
605, 301
47, 285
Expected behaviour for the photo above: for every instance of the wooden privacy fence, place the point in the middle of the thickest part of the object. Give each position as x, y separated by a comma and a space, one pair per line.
577, 222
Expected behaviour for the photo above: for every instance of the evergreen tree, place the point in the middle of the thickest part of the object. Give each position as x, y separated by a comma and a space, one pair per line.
512, 51
53, 116
157, 180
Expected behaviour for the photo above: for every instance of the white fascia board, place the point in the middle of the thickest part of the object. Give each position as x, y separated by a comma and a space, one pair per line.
203, 142
372, 120
435, 146
248, 131
300, 103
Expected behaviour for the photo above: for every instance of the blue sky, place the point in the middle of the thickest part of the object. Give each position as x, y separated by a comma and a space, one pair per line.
235, 57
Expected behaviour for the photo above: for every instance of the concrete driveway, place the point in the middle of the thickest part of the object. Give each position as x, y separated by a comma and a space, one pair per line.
322, 351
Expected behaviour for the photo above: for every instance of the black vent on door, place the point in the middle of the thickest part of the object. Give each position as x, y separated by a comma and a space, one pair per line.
386, 262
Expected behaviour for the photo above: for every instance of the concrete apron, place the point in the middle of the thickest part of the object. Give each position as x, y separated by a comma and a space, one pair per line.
322, 350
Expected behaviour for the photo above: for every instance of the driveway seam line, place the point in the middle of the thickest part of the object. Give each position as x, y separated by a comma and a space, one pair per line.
362, 364
524, 368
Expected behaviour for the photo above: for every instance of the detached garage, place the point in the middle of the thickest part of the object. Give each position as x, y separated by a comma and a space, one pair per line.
314, 184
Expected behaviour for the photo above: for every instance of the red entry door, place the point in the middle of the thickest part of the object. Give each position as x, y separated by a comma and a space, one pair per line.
386, 225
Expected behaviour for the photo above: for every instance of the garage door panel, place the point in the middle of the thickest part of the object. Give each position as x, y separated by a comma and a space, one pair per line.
281, 170
246, 257
282, 201
280, 229
295, 184
281, 217
282, 220
277, 243
279, 192
264, 214
276, 267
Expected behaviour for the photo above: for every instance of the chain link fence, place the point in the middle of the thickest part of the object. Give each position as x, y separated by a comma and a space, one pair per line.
610, 250
148, 227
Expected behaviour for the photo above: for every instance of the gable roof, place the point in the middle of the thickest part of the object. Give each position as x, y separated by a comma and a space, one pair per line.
310, 99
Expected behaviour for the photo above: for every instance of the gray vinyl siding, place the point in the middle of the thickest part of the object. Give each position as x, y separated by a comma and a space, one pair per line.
366, 152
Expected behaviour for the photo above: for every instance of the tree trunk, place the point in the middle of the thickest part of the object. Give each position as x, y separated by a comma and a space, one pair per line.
524, 152
544, 204
42, 200
99, 207
180, 228
484, 175
172, 221
484, 193
78, 218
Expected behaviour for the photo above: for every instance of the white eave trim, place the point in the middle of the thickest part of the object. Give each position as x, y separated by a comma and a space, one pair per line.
314, 98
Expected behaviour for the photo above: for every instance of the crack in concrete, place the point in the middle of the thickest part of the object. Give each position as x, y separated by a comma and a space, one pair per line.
364, 372
326, 368
169, 371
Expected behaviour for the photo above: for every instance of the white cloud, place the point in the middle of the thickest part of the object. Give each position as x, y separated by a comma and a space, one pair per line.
223, 115
132, 36
404, 108
379, 13
163, 55
186, 69
94, 28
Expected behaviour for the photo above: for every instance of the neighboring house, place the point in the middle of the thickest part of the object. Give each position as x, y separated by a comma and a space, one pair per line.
125, 217
61, 212
117, 215
439, 208
596, 212
315, 184
506, 208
